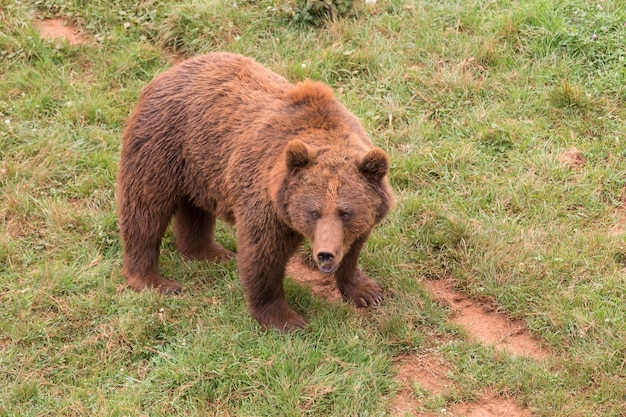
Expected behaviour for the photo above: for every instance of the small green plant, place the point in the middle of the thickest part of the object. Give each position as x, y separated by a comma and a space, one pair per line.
316, 11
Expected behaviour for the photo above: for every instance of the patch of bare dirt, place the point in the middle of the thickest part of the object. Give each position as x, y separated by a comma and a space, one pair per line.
4, 342
485, 325
573, 158
320, 284
430, 372
57, 29
489, 405
405, 405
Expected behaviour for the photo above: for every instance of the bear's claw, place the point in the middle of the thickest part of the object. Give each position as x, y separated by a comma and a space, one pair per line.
364, 292
367, 302
170, 287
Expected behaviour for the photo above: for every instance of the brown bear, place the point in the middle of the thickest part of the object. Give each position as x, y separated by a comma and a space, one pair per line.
220, 136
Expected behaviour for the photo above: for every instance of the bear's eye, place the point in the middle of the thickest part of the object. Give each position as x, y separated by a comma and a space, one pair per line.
315, 215
344, 215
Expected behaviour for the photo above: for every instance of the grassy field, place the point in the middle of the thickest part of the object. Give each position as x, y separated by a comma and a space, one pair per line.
504, 122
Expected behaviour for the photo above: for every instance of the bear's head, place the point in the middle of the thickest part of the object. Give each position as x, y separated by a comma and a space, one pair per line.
332, 196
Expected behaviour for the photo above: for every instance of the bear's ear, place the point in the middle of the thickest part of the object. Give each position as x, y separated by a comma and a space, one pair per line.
297, 155
374, 165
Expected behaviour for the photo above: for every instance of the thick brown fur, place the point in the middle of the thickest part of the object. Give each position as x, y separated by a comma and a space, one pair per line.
220, 136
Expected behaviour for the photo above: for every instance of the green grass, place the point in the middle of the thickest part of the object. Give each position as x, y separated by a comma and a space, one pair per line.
473, 100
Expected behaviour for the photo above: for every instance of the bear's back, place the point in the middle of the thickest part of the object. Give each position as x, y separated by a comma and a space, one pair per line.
212, 88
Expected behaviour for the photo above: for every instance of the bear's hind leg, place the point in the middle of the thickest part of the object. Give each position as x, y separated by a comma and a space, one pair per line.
193, 229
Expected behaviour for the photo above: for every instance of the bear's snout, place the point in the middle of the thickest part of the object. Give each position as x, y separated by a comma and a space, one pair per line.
325, 257
325, 262
327, 245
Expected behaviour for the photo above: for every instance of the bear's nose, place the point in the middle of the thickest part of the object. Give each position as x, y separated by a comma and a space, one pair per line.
325, 257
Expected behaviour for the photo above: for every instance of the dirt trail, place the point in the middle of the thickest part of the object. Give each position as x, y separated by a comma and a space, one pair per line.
478, 319
431, 373
56, 29
489, 405
485, 325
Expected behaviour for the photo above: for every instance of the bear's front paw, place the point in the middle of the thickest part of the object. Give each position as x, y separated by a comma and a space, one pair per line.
363, 291
279, 316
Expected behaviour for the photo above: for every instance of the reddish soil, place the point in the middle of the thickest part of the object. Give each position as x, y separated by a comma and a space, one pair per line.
56, 29
431, 372
320, 284
573, 158
405, 404
485, 325
489, 405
